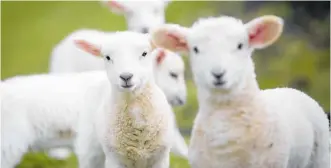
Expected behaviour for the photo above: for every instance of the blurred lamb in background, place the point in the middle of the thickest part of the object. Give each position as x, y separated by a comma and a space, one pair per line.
140, 16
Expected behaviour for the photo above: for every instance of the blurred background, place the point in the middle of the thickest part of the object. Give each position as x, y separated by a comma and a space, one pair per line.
299, 59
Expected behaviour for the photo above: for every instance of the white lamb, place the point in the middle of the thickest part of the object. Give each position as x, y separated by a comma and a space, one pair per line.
168, 72
39, 108
131, 120
141, 16
238, 124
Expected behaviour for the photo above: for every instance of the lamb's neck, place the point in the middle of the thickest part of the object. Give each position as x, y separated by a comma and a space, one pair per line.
216, 100
142, 95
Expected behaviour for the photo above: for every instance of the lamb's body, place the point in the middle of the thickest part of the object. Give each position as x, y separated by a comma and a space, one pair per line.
256, 131
133, 133
238, 125
38, 108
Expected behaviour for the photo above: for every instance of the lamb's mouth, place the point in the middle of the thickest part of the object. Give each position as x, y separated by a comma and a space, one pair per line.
219, 83
127, 86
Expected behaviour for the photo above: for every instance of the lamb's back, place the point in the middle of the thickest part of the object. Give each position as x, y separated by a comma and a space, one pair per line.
47, 99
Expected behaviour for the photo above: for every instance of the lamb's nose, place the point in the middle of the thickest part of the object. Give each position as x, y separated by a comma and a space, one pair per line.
126, 76
144, 30
218, 75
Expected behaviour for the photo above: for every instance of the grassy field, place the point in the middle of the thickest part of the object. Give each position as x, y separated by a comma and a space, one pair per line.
29, 31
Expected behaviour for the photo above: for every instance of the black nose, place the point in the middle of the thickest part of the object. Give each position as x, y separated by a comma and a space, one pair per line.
144, 30
126, 76
218, 75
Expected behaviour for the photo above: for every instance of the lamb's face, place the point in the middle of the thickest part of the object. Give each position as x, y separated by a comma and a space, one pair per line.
141, 16
220, 48
128, 59
219, 53
169, 75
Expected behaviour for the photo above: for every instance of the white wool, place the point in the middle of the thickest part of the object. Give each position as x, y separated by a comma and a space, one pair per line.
239, 125
39, 108
68, 58
141, 16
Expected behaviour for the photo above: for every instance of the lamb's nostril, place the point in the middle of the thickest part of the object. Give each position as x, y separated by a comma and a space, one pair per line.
218, 75
144, 30
180, 101
126, 76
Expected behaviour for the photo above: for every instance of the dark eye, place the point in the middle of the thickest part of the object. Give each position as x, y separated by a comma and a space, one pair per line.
107, 57
196, 50
144, 54
240, 46
174, 75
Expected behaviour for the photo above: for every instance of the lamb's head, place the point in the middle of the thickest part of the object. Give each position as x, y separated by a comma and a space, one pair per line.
220, 48
128, 58
141, 16
169, 74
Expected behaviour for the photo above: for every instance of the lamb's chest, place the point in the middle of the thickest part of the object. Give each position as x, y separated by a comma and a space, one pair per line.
139, 133
215, 140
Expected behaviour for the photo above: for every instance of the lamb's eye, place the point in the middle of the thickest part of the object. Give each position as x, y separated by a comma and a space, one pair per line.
144, 54
196, 50
107, 57
240, 46
174, 75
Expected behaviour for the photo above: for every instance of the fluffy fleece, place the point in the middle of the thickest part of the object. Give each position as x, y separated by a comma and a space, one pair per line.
43, 107
238, 124
140, 16
168, 71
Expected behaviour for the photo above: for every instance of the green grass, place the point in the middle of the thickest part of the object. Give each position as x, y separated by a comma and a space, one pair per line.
41, 160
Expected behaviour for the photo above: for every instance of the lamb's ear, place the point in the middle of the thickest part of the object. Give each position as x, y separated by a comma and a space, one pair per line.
88, 47
160, 55
171, 37
264, 31
115, 6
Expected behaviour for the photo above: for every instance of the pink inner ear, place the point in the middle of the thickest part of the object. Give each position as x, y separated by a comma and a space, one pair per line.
177, 41
160, 57
258, 35
88, 47
116, 5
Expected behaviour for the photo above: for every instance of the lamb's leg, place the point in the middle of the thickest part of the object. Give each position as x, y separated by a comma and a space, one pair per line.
321, 152
11, 154
15, 142
87, 148
112, 161
179, 145
89, 153
161, 161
